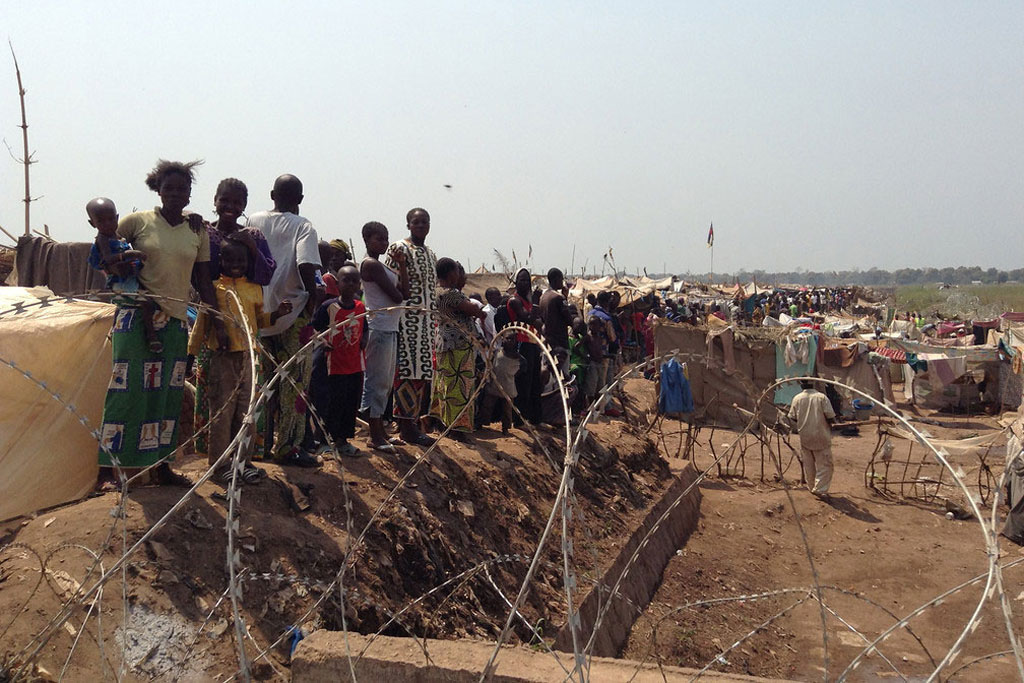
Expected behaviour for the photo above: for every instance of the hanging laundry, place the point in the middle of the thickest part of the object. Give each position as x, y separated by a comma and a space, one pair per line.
675, 396
916, 363
895, 355
944, 370
784, 394
726, 338
797, 349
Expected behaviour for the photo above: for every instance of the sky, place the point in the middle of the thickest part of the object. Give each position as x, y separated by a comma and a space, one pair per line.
816, 135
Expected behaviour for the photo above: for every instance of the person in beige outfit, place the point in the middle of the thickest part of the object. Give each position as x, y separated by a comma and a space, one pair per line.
813, 414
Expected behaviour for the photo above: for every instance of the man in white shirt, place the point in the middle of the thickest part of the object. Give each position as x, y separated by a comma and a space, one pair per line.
295, 247
813, 414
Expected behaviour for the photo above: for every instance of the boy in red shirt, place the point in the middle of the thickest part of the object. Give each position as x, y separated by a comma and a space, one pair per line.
345, 343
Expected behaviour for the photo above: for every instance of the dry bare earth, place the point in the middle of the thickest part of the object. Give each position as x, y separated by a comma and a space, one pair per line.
464, 507
898, 556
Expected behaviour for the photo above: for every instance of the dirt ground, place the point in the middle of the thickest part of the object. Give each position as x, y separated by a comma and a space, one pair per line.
484, 505
881, 557
479, 506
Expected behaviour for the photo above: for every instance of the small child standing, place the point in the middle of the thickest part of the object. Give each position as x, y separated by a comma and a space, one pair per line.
383, 288
578, 359
230, 373
120, 262
597, 350
506, 365
345, 344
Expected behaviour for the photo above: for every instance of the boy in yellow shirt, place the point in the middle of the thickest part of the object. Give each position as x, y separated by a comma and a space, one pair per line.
230, 374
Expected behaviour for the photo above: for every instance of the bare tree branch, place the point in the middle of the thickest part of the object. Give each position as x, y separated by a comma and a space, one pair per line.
8, 234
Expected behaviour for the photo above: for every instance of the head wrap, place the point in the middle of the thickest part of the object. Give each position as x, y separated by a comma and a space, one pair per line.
342, 246
516, 276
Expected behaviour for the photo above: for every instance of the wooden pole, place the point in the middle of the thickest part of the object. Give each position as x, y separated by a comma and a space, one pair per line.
26, 160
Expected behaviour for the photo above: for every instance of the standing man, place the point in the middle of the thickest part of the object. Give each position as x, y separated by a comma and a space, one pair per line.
556, 313
294, 245
813, 414
416, 327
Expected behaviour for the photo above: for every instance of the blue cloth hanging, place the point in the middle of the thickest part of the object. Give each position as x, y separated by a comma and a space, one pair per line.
675, 396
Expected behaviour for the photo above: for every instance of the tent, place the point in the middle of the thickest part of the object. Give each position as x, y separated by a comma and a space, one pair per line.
47, 452
478, 283
629, 288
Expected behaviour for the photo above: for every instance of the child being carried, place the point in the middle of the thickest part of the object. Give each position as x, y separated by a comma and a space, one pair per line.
121, 263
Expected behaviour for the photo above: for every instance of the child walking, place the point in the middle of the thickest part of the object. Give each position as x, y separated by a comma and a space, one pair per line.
230, 373
345, 344
121, 263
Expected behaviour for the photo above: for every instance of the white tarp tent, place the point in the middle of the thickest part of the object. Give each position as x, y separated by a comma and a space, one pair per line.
47, 456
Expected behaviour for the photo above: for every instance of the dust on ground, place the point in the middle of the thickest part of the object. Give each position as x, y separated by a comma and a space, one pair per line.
879, 557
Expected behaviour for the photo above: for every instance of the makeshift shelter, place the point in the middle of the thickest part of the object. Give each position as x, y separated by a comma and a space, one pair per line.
856, 365
60, 266
951, 377
48, 450
715, 382
728, 365
630, 289
478, 283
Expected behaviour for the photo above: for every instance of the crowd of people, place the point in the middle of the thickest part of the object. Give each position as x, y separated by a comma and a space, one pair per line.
399, 341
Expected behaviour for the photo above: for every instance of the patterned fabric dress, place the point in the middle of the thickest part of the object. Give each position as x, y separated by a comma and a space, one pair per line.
143, 403
456, 364
415, 329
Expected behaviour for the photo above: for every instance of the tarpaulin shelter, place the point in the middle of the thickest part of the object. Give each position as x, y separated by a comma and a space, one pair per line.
47, 455
953, 375
630, 289
478, 283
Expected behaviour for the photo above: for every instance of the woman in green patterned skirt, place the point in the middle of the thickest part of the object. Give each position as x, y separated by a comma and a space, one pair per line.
143, 403
456, 359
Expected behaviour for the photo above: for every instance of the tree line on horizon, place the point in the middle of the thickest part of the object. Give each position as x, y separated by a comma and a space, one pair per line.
875, 277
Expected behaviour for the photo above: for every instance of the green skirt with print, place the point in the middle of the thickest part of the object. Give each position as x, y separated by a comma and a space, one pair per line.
143, 404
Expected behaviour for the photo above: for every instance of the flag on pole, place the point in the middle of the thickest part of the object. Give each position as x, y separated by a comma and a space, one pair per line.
711, 236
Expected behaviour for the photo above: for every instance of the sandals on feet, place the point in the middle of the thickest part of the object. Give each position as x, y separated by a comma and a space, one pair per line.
299, 458
386, 447
348, 450
252, 474
421, 440
107, 486
222, 475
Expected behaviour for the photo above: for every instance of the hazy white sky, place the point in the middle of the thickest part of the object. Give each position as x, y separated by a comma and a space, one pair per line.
822, 135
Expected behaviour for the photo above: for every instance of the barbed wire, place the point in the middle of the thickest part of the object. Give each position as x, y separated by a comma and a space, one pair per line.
566, 516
